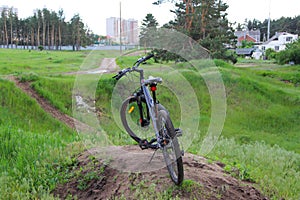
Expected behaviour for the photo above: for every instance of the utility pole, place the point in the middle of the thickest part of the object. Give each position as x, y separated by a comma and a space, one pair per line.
120, 29
269, 21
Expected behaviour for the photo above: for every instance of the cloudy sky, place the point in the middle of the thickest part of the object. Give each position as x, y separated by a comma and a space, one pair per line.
94, 13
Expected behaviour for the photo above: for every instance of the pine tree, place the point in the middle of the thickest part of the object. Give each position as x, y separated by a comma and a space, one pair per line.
206, 23
148, 28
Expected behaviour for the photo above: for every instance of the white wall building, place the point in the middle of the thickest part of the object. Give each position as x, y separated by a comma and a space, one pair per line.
278, 42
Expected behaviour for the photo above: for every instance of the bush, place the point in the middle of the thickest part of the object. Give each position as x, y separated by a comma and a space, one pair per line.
291, 54
247, 44
41, 48
271, 54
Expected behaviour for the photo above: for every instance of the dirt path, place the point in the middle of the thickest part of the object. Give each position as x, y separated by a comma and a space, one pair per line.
108, 65
69, 121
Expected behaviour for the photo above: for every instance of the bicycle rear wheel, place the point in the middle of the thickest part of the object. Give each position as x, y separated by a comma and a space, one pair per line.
170, 147
130, 117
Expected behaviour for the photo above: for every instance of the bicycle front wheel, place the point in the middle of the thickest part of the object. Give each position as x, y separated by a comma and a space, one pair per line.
170, 147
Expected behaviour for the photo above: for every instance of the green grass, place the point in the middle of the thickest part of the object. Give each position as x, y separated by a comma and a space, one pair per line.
16, 61
42, 62
32, 146
275, 170
260, 135
30, 162
57, 90
146, 189
19, 110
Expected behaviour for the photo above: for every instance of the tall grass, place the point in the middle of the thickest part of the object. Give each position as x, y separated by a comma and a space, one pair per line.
57, 90
19, 110
274, 169
260, 110
32, 146
30, 162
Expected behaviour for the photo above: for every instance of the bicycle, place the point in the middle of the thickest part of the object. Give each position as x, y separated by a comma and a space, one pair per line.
150, 110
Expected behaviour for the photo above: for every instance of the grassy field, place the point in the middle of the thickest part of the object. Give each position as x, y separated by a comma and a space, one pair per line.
36, 150
15, 61
260, 135
32, 146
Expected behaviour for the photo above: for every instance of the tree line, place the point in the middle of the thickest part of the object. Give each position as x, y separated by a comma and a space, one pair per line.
44, 30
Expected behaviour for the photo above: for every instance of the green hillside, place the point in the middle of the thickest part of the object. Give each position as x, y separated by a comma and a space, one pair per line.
32, 145
260, 137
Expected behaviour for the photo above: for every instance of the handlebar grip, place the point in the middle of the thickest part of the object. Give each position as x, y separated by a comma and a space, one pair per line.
121, 73
119, 76
149, 56
143, 59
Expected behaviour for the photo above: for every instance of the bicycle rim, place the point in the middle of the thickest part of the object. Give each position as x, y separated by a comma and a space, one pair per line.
171, 149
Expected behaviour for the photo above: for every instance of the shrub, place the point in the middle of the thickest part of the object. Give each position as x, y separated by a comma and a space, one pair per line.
41, 48
291, 54
271, 54
247, 44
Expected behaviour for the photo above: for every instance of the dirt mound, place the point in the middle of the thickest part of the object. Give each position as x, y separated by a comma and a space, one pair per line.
125, 173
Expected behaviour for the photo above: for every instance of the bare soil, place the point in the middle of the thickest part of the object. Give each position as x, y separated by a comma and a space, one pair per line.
116, 180
125, 173
108, 65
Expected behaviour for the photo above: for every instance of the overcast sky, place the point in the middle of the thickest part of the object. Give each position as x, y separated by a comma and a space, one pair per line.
94, 13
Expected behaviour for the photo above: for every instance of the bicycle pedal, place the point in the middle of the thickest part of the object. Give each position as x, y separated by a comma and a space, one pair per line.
178, 132
144, 144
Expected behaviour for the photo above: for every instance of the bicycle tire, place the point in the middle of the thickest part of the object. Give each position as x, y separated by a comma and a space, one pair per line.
171, 151
125, 118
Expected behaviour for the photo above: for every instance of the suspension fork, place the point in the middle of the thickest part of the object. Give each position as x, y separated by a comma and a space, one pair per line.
143, 121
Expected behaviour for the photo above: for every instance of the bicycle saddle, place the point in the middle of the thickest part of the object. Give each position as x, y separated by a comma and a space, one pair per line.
152, 79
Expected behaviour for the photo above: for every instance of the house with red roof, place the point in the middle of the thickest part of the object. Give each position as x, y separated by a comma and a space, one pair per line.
249, 36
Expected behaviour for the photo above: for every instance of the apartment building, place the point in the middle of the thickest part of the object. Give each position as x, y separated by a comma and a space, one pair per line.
122, 30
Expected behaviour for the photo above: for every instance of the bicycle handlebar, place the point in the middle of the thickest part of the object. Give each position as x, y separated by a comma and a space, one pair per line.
143, 59
136, 64
121, 73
